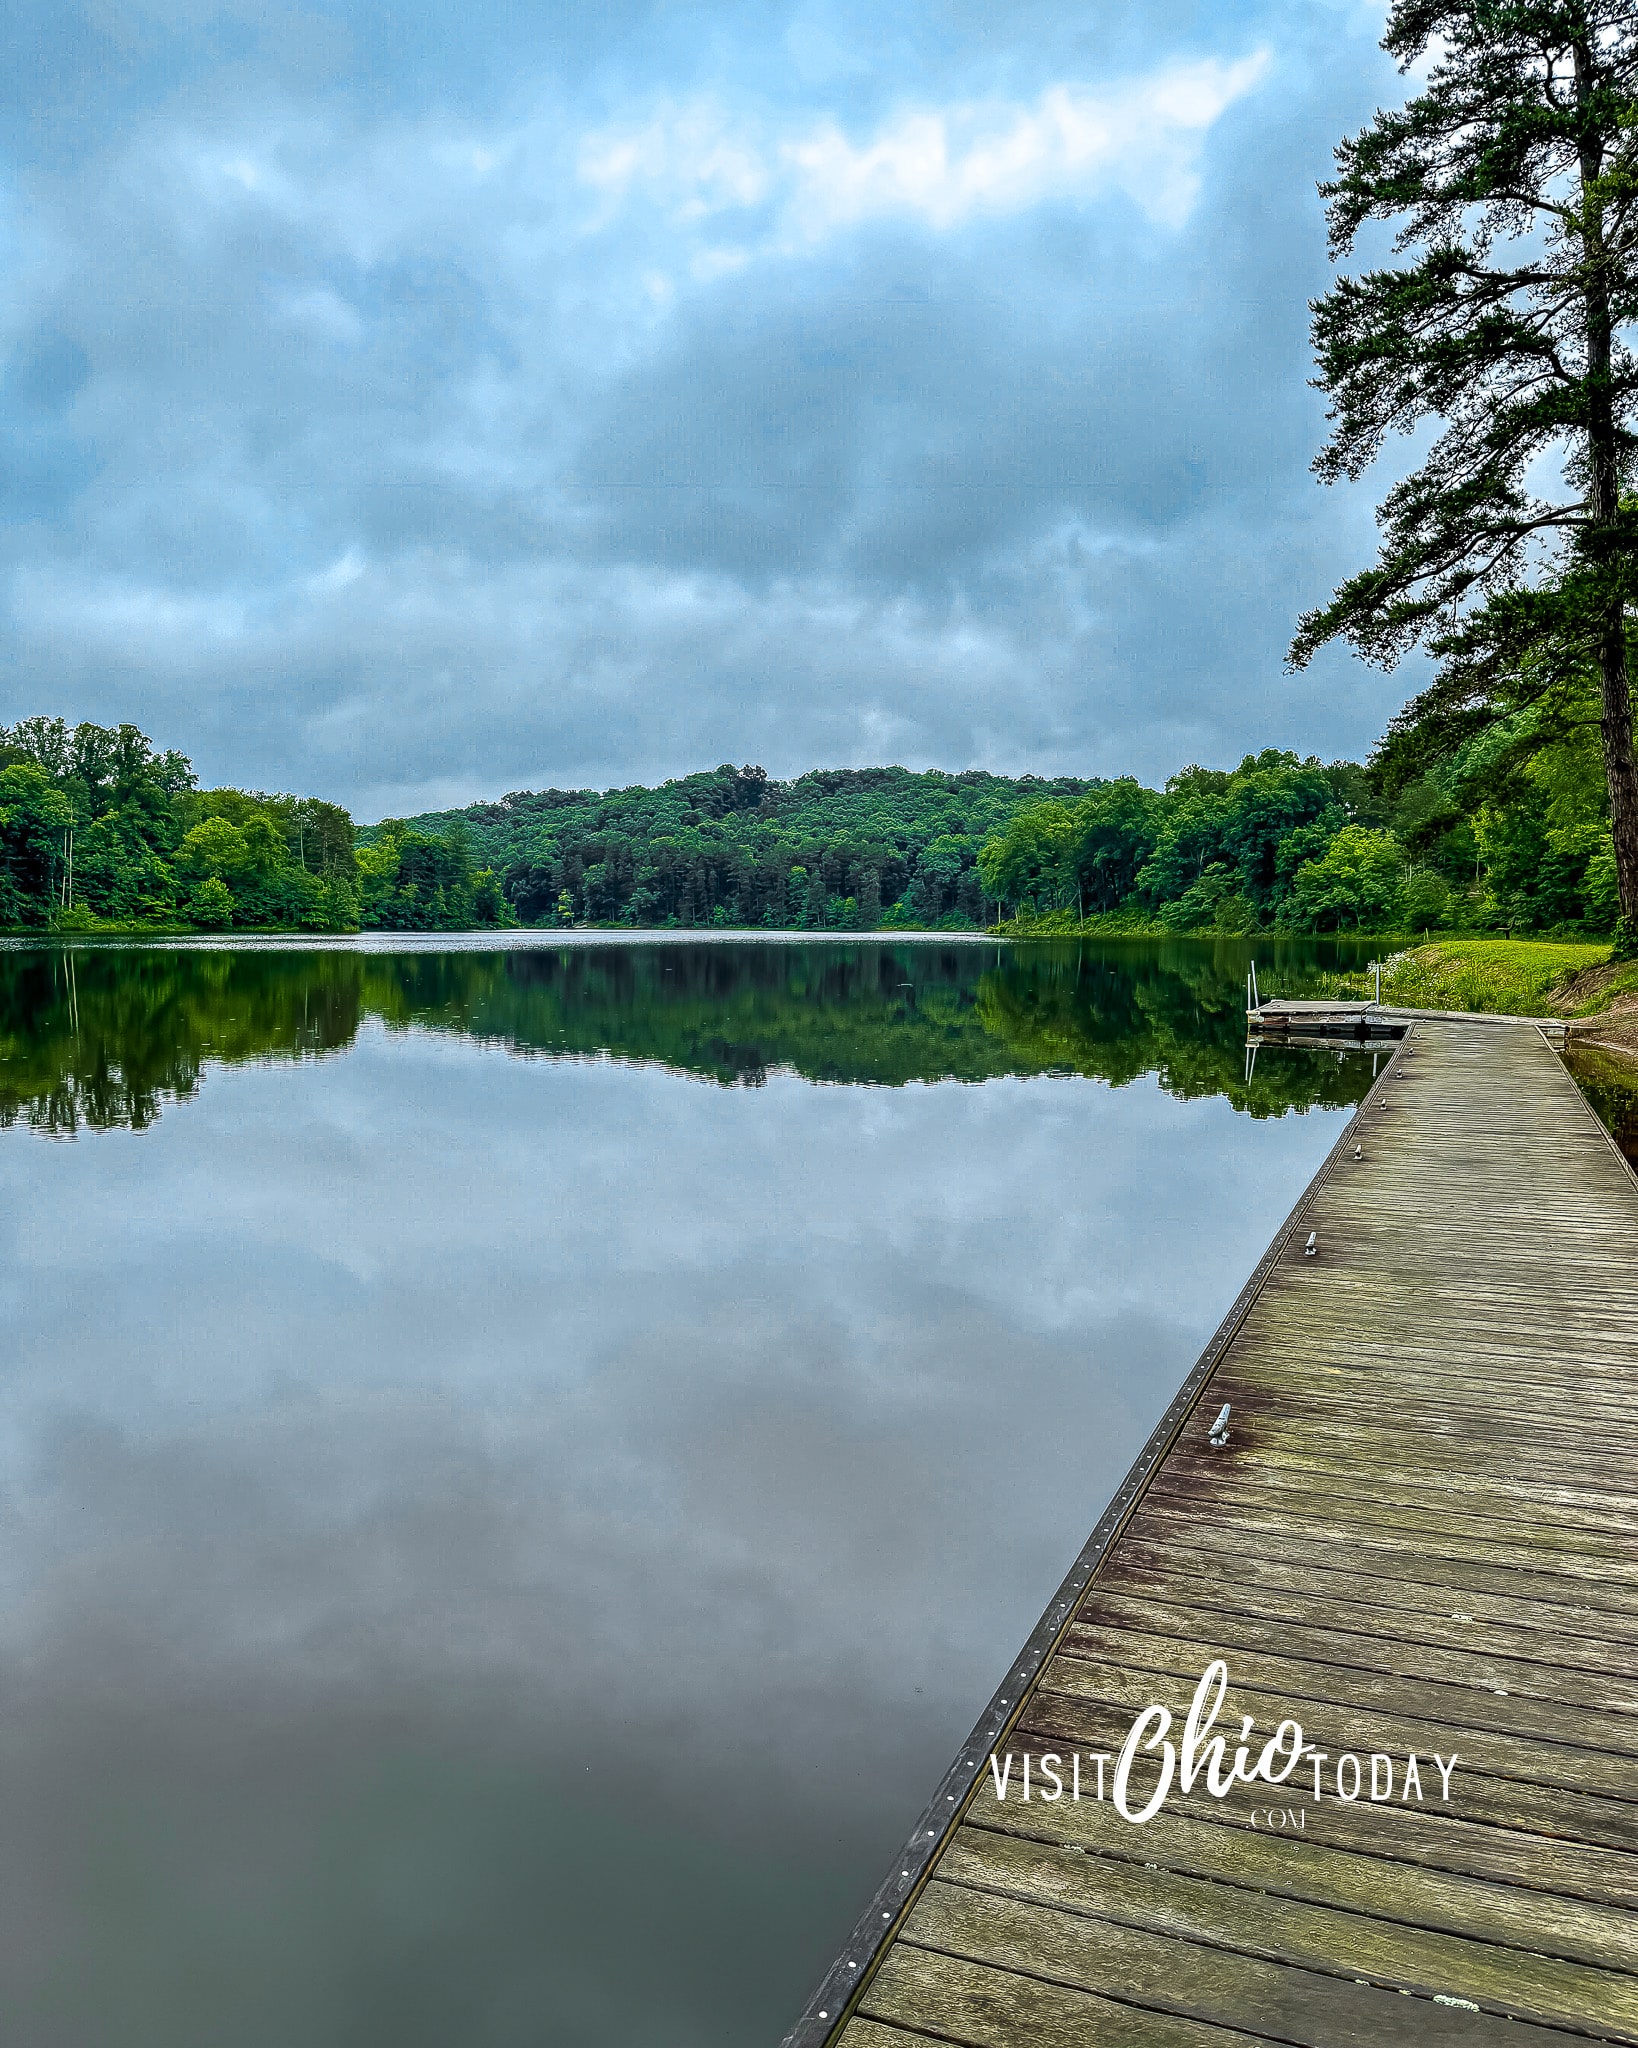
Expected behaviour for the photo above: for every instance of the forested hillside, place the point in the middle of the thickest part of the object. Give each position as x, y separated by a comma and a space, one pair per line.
1498, 822
837, 849
1484, 809
1488, 814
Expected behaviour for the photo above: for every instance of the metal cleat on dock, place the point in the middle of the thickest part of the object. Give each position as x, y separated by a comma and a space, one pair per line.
1219, 1429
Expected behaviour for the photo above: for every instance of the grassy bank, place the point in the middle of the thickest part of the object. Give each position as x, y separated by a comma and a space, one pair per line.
1100, 924
1136, 924
1508, 977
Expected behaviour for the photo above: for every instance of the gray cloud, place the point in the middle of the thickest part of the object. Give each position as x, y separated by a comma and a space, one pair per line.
416, 415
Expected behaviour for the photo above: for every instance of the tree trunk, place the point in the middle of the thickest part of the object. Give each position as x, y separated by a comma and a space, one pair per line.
1603, 546
1620, 767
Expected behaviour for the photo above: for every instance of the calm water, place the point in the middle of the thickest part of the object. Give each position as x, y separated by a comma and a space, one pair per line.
519, 1467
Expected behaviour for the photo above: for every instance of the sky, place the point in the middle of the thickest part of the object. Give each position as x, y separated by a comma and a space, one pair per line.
411, 404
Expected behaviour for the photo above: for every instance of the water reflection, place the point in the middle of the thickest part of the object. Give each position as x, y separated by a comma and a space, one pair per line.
1609, 1080
497, 1549
101, 1037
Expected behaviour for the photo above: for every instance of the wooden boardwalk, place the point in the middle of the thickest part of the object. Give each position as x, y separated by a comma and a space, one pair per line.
1421, 1538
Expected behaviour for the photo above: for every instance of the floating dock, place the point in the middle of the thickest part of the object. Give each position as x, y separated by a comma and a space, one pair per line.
1418, 1538
1281, 1019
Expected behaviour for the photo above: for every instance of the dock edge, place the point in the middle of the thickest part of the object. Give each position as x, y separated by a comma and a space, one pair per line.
837, 1996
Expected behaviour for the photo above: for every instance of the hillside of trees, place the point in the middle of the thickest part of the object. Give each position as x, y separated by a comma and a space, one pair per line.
1486, 816
1496, 824
839, 849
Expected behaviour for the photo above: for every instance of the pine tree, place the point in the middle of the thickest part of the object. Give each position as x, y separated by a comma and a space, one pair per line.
1513, 179
870, 899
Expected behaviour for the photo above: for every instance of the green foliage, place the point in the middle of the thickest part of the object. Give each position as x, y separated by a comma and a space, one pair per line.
1507, 180
99, 832
838, 849
1032, 862
1506, 835
1496, 775
210, 905
1355, 885
1506, 829
414, 882
35, 822
1278, 843
1424, 900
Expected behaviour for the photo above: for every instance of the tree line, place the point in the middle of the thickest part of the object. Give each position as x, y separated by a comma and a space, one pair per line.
846, 849
99, 832
1505, 830
1481, 819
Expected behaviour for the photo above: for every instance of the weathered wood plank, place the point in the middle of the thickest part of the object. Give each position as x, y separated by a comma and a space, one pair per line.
1515, 1384
860, 2033
979, 2007
1340, 1728
1398, 1863
1481, 1664
1335, 1589
1125, 1961
1422, 1536
1239, 1490
1599, 1587
1058, 1720
1511, 1982
1465, 1707
1456, 1488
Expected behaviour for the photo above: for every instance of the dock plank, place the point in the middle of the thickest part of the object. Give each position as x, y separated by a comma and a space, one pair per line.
1421, 1535
1422, 1869
989, 1915
1350, 1945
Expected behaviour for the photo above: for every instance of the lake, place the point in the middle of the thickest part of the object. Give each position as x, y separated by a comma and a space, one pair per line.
522, 1461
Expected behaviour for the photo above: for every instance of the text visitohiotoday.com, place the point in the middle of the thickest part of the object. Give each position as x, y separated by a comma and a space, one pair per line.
1377, 1776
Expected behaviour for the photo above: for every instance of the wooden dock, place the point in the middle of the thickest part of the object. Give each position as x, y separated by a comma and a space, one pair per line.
1420, 1539
1283, 1017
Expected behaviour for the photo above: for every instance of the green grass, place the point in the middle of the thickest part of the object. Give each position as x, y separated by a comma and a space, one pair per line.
1508, 977
1064, 924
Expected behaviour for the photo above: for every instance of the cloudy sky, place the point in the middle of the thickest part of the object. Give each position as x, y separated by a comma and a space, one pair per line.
412, 403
